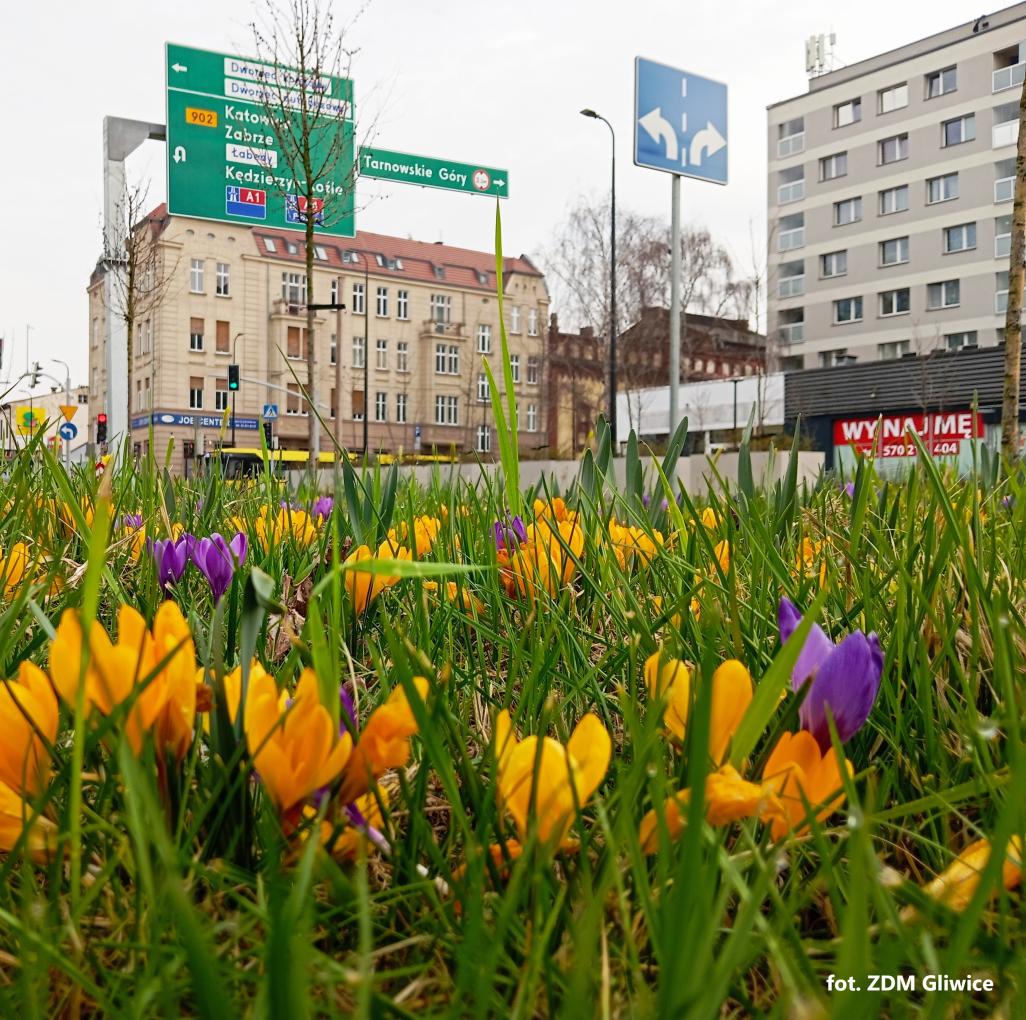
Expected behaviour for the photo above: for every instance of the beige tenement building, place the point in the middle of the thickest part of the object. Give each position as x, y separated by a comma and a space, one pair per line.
424, 314
890, 187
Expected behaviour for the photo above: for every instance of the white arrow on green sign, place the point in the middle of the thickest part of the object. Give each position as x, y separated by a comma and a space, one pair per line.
386, 165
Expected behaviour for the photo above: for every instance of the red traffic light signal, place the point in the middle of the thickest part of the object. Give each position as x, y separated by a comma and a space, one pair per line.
101, 428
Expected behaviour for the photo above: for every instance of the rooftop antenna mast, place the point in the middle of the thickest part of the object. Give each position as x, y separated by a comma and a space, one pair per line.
819, 54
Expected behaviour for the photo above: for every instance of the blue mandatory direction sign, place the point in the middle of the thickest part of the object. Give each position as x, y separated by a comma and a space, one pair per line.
270, 412
68, 431
680, 122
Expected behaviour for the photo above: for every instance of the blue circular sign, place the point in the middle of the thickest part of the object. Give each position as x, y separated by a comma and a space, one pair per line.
68, 431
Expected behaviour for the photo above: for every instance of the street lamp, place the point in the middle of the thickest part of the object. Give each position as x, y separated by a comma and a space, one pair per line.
612, 280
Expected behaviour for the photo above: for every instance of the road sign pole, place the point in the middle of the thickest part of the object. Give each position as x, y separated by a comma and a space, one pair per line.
674, 300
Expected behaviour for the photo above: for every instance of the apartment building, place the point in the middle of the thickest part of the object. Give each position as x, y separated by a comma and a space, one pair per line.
890, 199
419, 320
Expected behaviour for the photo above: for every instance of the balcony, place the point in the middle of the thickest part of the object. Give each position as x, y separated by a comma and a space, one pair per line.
793, 192
791, 239
1004, 134
438, 328
792, 333
1004, 189
1007, 77
791, 286
1001, 302
1002, 246
791, 145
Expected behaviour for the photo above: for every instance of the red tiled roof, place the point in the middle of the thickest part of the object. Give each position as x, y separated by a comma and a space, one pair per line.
462, 267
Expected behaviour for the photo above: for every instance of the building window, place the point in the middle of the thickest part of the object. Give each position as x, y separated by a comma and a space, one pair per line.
447, 359
441, 309
847, 113
532, 417
269, 245
295, 343
831, 167
514, 367
223, 284
1002, 237
960, 238
400, 408
834, 263
293, 288
223, 340
454, 360
402, 356
790, 137
380, 406
532, 370
483, 390
196, 393
791, 232
791, 325
894, 302
847, 310
791, 279
941, 189
440, 359
893, 350
893, 149
828, 359
447, 410
894, 98
847, 211
894, 200
532, 321
956, 341
958, 130
939, 83
484, 439
381, 308
402, 304
381, 354
357, 405
195, 334
333, 348
196, 276
221, 395
359, 352
514, 319
942, 295
358, 299
1005, 129
791, 186
894, 252
1004, 180
294, 402
484, 338
334, 291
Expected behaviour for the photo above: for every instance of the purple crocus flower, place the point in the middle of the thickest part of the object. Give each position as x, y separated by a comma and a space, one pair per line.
646, 500
1008, 502
845, 677
217, 560
848, 489
170, 557
509, 532
664, 505
322, 507
131, 521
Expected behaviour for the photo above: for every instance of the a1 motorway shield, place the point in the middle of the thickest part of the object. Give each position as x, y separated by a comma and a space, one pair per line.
680, 122
223, 157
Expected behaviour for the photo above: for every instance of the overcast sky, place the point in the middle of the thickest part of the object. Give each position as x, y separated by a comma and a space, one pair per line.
499, 84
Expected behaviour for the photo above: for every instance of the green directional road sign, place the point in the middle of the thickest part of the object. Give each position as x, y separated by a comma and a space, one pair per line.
429, 172
223, 160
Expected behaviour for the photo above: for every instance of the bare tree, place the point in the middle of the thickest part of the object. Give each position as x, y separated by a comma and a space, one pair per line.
1013, 314
312, 127
146, 274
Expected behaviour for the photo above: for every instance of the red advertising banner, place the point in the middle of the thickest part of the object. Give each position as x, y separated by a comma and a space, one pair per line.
942, 433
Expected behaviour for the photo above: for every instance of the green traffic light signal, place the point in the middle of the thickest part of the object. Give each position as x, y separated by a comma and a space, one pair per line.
233, 377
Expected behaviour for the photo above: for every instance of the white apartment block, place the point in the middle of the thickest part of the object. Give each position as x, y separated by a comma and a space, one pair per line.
420, 321
890, 199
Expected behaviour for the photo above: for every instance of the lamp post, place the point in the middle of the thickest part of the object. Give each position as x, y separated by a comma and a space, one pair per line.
234, 392
612, 280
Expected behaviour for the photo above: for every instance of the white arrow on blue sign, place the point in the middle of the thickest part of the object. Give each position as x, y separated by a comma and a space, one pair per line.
270, 412
68, 431
680, 122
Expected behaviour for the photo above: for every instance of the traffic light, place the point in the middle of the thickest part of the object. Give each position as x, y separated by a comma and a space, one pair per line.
101, 428
34, 381
233, 377
267, 434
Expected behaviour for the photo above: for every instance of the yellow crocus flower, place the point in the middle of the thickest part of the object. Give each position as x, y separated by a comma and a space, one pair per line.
362, 585
28, 725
